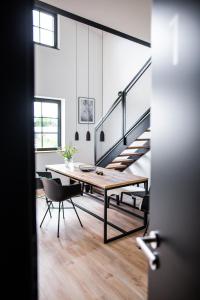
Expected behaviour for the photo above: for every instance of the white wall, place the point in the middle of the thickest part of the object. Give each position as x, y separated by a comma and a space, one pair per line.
142, 166
43, 159
132, 17
122, 60
55, 78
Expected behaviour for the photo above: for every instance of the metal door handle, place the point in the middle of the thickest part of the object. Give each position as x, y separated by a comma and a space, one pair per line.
154, 240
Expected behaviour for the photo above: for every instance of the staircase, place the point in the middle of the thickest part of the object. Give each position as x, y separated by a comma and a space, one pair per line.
123, 147
132, 153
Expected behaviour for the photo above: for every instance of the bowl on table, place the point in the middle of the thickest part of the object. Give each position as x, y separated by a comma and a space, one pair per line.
87, 168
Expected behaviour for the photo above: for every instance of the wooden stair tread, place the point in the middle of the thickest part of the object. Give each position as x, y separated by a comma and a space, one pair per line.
122, 168
119, 167
143, 139
131, 154
123, 161
138, 147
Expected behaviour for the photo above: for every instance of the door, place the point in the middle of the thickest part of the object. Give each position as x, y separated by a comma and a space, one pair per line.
175, 196
18, 251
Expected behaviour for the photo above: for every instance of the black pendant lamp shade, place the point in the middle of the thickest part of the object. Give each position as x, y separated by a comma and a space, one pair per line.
88, 138
76, 136
102, 136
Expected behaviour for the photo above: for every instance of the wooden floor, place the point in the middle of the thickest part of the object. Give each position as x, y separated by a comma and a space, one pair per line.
78, 266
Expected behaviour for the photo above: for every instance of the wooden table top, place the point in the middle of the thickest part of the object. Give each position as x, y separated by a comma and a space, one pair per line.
109, 180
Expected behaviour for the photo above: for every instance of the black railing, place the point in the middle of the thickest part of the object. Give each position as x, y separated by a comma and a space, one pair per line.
131, 135
121, 99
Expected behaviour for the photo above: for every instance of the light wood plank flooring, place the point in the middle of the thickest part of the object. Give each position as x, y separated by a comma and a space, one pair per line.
78, 266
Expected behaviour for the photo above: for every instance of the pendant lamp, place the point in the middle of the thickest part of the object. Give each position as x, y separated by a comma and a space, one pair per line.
76, 133
88, 137
102, 135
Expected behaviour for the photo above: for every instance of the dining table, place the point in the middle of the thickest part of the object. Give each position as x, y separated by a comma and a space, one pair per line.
105, 180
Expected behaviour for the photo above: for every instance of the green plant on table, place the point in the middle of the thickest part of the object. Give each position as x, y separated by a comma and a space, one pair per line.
68, 151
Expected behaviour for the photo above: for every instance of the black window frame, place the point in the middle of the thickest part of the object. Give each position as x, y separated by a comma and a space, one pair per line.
45, 100
55, 16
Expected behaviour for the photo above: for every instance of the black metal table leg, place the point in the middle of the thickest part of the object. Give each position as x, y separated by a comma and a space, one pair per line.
146, 186
91, 189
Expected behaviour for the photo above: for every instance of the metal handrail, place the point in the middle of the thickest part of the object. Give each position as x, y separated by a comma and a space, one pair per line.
125, 91
137, 123
138, 75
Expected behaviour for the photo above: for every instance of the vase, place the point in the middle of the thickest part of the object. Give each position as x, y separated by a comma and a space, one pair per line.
69, 162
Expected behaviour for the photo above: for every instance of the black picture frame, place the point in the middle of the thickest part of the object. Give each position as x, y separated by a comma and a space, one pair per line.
86, 110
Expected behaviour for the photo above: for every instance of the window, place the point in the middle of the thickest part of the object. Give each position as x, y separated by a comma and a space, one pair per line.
47, 124
44, 28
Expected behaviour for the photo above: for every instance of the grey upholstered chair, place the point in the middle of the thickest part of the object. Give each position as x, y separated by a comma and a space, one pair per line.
56, 192
39, 185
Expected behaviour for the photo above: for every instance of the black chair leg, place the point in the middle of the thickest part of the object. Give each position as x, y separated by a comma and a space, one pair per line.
47, 202
63, 210
76, 212
121, 198
134, 201
117, 199
48, 209
58, 220
91, 189
82, 189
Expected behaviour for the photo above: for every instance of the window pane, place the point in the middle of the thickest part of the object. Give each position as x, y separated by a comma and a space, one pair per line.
37, 124
38, 140
50, 125
37, 109
50, 110
50, 141
46, 21
36, 35
46, 37
36, 18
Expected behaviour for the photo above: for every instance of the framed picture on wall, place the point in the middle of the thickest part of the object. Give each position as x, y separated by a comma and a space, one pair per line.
86, 110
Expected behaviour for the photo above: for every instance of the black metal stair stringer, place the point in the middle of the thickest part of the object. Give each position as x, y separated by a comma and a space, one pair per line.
133, 133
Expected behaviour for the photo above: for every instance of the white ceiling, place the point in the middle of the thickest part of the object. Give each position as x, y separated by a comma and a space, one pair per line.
132, 17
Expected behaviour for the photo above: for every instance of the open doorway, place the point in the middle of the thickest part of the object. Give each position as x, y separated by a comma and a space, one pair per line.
175, 178
78, 64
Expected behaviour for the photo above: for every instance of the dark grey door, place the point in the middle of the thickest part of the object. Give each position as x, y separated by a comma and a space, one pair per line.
175, 195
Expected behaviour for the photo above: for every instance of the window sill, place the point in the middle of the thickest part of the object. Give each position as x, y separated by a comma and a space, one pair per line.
48, 46
45, 151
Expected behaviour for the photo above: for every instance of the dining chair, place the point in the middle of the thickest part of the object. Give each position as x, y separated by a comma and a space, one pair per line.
145, 208
39, 185
144, 205
135, 192
128, 190
56, 192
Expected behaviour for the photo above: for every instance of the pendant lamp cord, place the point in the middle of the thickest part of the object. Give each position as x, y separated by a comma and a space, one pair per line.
102, 81
76, 74
88, 70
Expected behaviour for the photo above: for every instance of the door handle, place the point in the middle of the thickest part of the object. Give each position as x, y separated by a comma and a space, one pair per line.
154, 240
